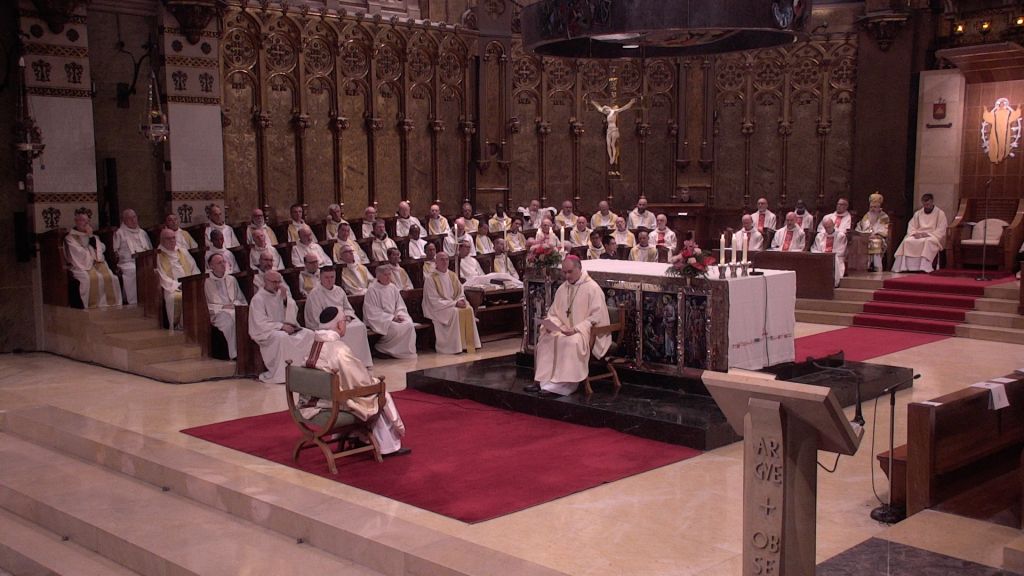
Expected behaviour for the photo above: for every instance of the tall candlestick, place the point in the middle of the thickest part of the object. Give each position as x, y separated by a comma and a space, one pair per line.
561, 232
721, 248
746, 244
734, 253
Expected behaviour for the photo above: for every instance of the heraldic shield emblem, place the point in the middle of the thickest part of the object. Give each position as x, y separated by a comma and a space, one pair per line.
939, 109
1000, 131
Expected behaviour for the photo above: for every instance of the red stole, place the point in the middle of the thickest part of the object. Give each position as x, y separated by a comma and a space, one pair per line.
787, 240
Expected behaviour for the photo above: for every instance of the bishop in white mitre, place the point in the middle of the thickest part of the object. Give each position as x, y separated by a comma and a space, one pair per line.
173, 263
222, 295
273, 324
926, 236
831, 241
405, 220
217, 223
307, 245
97, 285
385, 313
129, 240
329, 295
445, 303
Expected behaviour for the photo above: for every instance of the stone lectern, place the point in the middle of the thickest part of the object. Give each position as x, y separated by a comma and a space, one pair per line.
783, 424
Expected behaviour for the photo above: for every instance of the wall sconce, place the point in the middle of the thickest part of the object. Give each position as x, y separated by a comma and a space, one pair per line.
958, 29
154, 126
1018, 21
985, 27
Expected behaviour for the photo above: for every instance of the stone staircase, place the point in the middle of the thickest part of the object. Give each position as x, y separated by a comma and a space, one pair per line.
79, 496
122, 338
1013, 556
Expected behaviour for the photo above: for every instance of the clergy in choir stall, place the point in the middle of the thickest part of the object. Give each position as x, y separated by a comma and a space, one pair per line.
566, 218
832, 241
264, 263
173, 263
261, 245
515, 239
182, 238
561, 357
129, 240
484, 244
471, 223
791, 238
445, 304
604, 217
622, 234
417, 245
473, 274
611, 248
469, 266
259, 222
662, 235
643, 251
273, 324
580, 234
327, 295
369, 219
764, 219
429, 254
500, 222
215, 245
381, 243
456, 236
222, 295
355, 278
330, 352
926, 236
307, 245
85, 254
309, 276
596, 248
345, 238
398, 274
334, 219
546, 234
502, 264
217, 223
437, 225
405, 220
748, 235
875, 224
534, 215
804, 218
385, 313
298, 214
842, 218
641, 217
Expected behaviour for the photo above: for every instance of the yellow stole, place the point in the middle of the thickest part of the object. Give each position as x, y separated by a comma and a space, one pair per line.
165, 263
358, 275
98, 267
466, 319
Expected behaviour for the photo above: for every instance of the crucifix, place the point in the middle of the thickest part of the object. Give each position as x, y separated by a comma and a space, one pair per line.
611, 117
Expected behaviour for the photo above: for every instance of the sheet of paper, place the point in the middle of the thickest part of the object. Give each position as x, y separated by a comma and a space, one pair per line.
1002, 380
997, 394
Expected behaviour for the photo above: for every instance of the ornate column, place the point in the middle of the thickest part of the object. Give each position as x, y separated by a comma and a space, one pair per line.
543, 130
339, 125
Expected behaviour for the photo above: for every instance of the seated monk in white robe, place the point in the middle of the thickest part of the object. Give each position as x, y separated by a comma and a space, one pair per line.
445, 304
832, 241
222, 295
381, 243
217, 223
309, 277
580, 234
345, 238
264, 264
926, 237
515, 239
333, 221
129, 240
562, 354
643, 251
790, 238
502, 263
604, 217
471, 223
385, 313
841, 218
274, 326
417, 246
182, 237
369, 219
623, 237
484, 244
307, 245
330, 353
748, 234
398, 274
456, 237
355, 278
474, 276
260, 246
596, 247
298, 220
501, 221
259, 223
84, 251
437, 225
326, 295
405, 220
547, 234
662, 235
172, 264
215, 245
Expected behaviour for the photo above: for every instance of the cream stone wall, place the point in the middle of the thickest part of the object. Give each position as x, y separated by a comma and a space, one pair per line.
939, 147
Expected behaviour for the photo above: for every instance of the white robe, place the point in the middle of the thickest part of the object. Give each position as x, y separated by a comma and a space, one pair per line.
763, 220
355, 279
402, 225
267, 315
532, 220
565, 221
843, 223
308, 282
806, 221
380, 307
293, 231
171, 266
379, 248
594, 253
127, 243
438, 226
469, 267
484, 245
598, 220
920, 253
796, 244
551, 239
185, 240
331, 228
640, 254
451, 244
356, 249
97, 284
472, 225
401, 277
838, 248
222, 295
367, 229
229, 258
515, 242
646, 220
624, 238
496, 224
355, 333
756, 241
300, 250
561, 362
666, 238
579, 237
254, 257
503, 264
230, 240
417, 249
271, 237
454, 327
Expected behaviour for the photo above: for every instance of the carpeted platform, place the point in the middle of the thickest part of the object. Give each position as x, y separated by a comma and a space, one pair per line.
469, 462
944, 284
859, 344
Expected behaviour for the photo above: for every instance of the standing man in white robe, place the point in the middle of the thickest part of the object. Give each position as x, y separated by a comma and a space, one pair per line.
222, 295
662, 235
405, 220
381, 243
307, 245
215, 245
561, 357
345, 237
183, 238
355, 278
926, 237
298, 214
273, 324
385, 313
261, 245
326, 295
445, 304
747, 233
217, 223
791, 238
641, 217
172, 263
841, 218
259, 223
97, 285
334, 220
129, 240
832, 241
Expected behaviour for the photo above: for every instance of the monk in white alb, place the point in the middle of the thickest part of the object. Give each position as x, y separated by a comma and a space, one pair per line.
534, 214
222, 295
385, 313
445, 303
456, 236
643, 251
804, 218
502, 263
355, 278
182, 237
596, 248
580, 234
501, 221
97, 285
334, 220
791, 238
326, 295
307, 245
437, 224
215, 245
264, 264
259, 222
273, 324
484, 244
841, 218
260, 246
926, 236
309, 276
398, 274
217, 223
429, 253
405, 220
566, 218
298, 214
173, 263
346, 238
515, 239
832, 241
875, 225
748, 235
641, 217
417, 245
381, 243
562, 355
604, 217
623, 237
369, 219
331, 353
764, 219
472, 225
129, 240
546, 234
662, 235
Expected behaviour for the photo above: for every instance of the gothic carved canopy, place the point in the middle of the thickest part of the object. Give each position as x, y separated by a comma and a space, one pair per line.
192, 15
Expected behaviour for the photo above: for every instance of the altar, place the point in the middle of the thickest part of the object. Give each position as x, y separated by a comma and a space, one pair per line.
674, 323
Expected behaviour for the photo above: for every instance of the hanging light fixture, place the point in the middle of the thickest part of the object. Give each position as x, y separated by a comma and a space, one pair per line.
28, 140
154, 125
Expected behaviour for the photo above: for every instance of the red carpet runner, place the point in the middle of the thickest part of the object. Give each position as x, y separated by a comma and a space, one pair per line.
860, 344
469, 461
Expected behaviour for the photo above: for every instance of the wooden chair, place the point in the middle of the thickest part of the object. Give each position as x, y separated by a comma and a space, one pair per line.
607, 362
337, 425
1005, 233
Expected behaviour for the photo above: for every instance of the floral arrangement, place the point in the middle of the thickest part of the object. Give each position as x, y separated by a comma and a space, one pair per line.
543, 256
691, 261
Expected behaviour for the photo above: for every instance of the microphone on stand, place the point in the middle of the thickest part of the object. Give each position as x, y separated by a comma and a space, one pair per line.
889, 513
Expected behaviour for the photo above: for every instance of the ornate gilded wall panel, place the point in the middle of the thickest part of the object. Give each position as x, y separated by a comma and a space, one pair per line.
318, 149
281, 175
355, 146
558, 160
659, 169
766, 150
388, 149
524, 176
452, 171
421, 166
804, 145
241, 167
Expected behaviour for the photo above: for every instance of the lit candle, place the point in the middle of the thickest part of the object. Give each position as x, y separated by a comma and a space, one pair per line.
746, 244
734, 253
721, 249
561, 232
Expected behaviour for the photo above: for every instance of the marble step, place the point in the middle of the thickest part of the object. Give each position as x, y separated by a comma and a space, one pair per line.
862, 283
167, 353
820, 317
853, 294
188, 370
997, 319
29, 550
812, 305
143, 528
114, 325
992, 333
996, 305
1013, 556
139, 339
1008, 291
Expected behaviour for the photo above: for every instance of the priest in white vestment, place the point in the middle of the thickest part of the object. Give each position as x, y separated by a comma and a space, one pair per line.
484, 244
398, 274
405, 220
369, 219
791, 238
222, 295
355, 278
471, 224
173, 263
261, 245
623, 236
501, 221
473, 274
514, 238
309, 276
841, 218
327, 295
502, 263
417, 245
926, 237
331, 353
86, 260
298, 214
804, 218
215, 245
562, 354
832, 241
264, 264
333, 221
385, 313
641, 217
345, 237
273, 324
307, 245
580, 233
546, 234
662, 235
596, 247
604, 217
259, 223
181, 237
534, 215
429, 253
217, 223
747, 234
381, 243
445, 303
643, 251
764, 219
129, 240
566, 218
875, 224
437, 225
456, 236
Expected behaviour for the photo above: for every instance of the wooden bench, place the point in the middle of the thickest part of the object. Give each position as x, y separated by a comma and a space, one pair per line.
499, 312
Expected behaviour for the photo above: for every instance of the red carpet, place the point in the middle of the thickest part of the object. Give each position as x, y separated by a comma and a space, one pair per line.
860, 344
944, 284
469, 461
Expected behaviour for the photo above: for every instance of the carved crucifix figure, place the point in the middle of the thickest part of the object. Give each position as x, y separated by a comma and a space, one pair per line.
611, 115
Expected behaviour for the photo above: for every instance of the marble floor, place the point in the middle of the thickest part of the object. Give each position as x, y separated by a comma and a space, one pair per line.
682, 519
